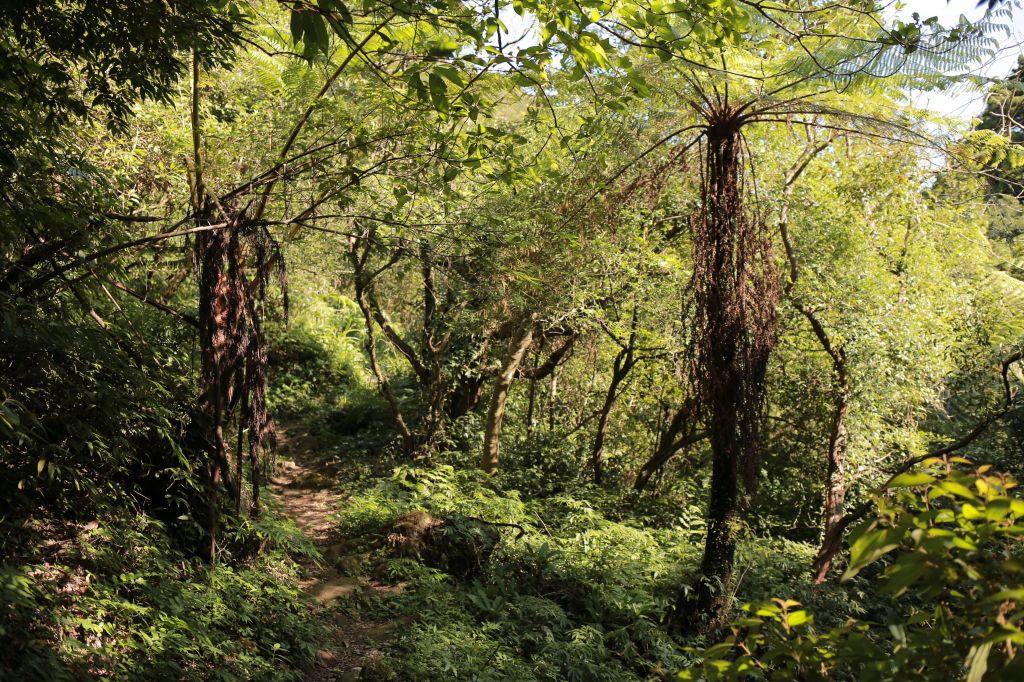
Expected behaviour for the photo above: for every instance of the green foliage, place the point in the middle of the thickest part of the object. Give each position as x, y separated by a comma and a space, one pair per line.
549, 605
995, 144
77, 437
457, 178
569, 593
946, 549
111, 599
52, 80
315, 358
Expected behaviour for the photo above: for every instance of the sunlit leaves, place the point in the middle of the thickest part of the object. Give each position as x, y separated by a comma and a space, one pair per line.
910, 479
951, 537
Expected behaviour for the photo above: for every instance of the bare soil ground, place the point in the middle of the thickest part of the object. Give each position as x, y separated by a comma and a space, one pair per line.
308, 491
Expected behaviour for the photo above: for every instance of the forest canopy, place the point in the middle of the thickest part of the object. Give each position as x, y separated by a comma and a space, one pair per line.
530, 340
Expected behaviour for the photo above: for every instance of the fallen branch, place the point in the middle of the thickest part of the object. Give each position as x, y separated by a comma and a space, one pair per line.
522, 531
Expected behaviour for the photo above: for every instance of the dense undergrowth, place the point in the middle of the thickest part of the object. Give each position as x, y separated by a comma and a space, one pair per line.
534, 573
113, 598
100, 574
530, 574
576, 588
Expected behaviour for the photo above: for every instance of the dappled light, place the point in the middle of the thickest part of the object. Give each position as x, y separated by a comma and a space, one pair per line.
602, 340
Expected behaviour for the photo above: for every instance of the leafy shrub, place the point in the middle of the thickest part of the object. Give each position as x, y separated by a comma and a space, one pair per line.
946, 546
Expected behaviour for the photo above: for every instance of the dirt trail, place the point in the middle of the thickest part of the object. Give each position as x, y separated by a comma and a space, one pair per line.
307, 490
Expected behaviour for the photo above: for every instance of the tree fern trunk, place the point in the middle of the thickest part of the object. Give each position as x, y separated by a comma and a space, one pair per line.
736, 293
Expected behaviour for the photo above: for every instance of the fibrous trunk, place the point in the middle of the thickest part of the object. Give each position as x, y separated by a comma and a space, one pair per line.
233, 351
735, 297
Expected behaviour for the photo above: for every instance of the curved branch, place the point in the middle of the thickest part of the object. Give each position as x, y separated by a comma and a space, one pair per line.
553, 361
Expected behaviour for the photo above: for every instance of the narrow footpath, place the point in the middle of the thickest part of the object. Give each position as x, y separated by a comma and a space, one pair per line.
308, 492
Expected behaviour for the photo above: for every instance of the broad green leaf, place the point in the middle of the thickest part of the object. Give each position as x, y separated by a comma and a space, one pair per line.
910, 479
871, 546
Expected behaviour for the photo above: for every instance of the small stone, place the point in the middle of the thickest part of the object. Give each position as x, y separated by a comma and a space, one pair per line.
333, 588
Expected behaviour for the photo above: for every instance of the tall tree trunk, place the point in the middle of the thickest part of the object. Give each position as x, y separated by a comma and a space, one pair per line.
232, 346
210, 256
431, 347
735, 293
835, 481
517, 347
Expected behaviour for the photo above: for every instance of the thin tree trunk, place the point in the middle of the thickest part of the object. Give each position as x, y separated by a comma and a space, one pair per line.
362, 284
532, 400
835, 486
401, 345
382, 381
624, 361
239, 436
666, 436
552, 396
667, 449
431, 347
833, 541
833, 526
517, 348
596, 460
835, 481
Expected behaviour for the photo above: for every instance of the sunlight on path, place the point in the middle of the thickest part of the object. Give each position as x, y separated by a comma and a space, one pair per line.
308, 494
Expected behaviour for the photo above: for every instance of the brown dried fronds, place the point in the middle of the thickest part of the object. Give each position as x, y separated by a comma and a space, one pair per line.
736, 292
234, 268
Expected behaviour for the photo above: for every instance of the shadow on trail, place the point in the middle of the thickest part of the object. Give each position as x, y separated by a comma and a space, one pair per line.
308, 491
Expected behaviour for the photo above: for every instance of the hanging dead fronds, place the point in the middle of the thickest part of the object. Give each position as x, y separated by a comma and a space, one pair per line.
736, 292
234, 269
